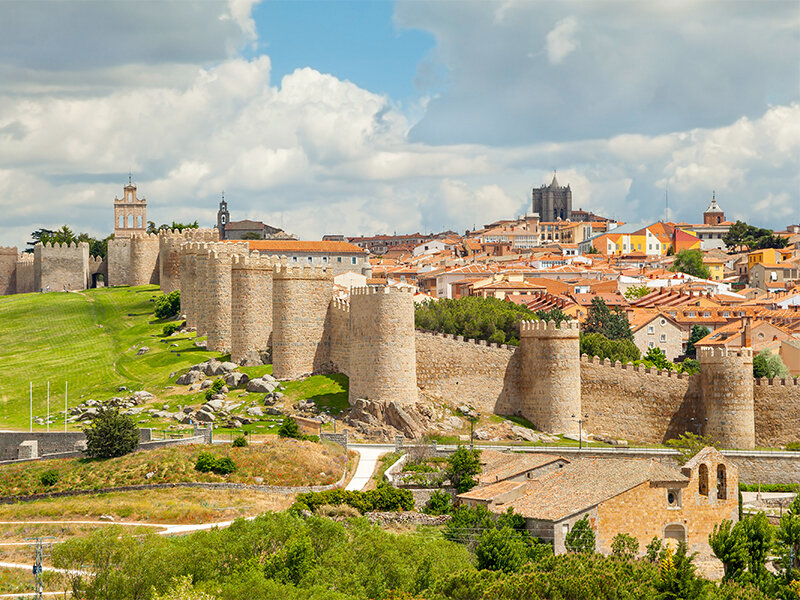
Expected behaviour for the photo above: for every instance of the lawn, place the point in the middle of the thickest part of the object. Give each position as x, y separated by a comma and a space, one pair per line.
87, 340
277, 461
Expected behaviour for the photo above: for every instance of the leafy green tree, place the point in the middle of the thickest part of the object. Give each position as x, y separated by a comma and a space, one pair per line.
440, 503
737, 235
767, 364
462, 466
770, 241
596, 344
758, 537
151, 227
168, 305
654, 550
634, 292
501, 550
688, 444
678, 580
612, 324
691, 263
466, 524
658, 359
554, 314
728, 545
741, 235
624, 546
251, 235
290, 429
581, 538
181, 589
698, 333
110, 434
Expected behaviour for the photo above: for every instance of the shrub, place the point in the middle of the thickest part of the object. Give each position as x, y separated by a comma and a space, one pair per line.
383, 498
596, 344
169, 329
793, 446
501, 550
214, 389
767, 364
225, 466
49, 477
624, 546
168, 305
440, 503
206, 462
240, 442
461, 466
340, 511
581, 537
688, 444
111, 434
289, 428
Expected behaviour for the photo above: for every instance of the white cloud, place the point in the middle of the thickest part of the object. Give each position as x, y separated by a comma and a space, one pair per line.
561, 40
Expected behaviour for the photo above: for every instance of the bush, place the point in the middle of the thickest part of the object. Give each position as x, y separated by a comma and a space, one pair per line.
769, 487
767, 364
169, 329
581, 537
793, 446
111, 434
461, 466
440, 503
240, 442
208, 463
168, 305
624, 546
596, 344
501, 550
289, 428
383, 498
214, 389
49, 478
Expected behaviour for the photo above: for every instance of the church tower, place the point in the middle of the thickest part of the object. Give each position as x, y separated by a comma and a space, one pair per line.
713, 214
223, 217
552, 202
130, 213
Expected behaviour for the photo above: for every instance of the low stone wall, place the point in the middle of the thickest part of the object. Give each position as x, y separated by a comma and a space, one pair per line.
49, 443
777, 411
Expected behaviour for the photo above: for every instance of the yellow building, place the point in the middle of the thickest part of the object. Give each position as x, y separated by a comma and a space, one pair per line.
716, 268
767, 255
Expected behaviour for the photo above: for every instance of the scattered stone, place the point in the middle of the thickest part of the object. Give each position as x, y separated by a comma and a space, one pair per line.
214, 404
482, 434
454, 422
142, 350
255, 411
261, 385
122, 388
236, 379
204, 417
190, 377
224, 389
271, 410
525, 433
227, 367
258, 480
206, 383
107, 518
194, 387
142, 396
149, 475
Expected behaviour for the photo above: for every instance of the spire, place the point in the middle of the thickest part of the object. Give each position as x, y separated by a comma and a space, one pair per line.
554, 184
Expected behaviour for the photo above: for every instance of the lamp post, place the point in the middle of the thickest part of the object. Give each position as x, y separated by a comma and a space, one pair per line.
472, 417
698, 423
580, 429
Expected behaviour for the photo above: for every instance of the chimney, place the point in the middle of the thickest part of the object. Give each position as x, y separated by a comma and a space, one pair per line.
747, 340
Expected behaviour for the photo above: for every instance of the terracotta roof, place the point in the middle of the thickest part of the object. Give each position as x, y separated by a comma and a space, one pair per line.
244, 224
586, 483
488, 492
511, 465
284, 246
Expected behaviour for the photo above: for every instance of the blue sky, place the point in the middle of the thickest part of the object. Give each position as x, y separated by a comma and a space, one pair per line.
369, 117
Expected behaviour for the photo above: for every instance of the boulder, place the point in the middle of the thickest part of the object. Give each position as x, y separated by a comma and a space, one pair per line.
142, 396
190, 377
188, 410
255, 411
210, 366
271, 410
194, 387
182, 418
454, 423
236, 379
204, 417
205, 384
525, 433
227, 367
142, 350
262, 385
251, 359
214, 405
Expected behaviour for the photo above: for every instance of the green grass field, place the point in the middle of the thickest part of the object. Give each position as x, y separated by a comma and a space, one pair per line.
87, 340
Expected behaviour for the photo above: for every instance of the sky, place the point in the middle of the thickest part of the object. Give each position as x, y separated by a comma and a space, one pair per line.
364, 117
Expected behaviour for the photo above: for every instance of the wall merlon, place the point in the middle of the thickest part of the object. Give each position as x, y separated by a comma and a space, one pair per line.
712, 353
25, 257
9, 250
284, 272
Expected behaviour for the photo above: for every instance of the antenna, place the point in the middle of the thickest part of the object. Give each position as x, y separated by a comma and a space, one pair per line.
129, 177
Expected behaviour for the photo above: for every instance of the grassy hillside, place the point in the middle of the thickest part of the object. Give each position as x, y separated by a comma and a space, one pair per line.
86, 339
277, 461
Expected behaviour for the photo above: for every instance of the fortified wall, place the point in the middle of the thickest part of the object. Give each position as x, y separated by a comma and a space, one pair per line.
371, 339
8, 270
60, 267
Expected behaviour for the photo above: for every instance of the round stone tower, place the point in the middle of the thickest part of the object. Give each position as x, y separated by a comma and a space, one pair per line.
251, 308
169, 260
144, 259
301, 297
217, 292
550, 378
188, 281
383, 360
726, 380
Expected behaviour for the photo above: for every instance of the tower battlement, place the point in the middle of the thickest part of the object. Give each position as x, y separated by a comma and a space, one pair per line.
710, 354
283, 271
9, 250
374, 290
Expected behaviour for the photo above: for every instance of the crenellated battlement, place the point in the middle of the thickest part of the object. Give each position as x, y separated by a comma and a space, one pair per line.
374, 290
281, 271
9, 250
143, 236
25, 257
537, 326
64, 246
717, 353
640, 369
341, 305
787, 381
463, 340
253, 261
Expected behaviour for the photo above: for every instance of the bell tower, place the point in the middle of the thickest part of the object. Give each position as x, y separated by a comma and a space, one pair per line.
130, 213
223, 217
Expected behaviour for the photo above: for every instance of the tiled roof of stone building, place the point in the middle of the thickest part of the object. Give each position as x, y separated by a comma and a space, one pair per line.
586, 483
288, 246
487, 492
511, 465
244, 224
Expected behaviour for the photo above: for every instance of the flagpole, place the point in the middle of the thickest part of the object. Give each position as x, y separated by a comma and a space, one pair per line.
48, 407
66, 390
31, 407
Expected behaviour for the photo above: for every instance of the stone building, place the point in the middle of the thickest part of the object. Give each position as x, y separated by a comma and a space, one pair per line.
245, 229
657, 330
130, 213
61, 267
713, 214
335, 257
552, 202
642, 498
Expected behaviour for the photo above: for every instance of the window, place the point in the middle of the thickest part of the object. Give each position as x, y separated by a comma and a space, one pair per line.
353, 260
325, 259
310, 260
722, 489
663, 337
339, 259
663, 322
294, 259
675, 532
673, 498
651, 344
650, 329
702, 481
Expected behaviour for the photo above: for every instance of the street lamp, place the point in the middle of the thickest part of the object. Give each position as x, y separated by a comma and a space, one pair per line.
580, 429
699, 423
472, 417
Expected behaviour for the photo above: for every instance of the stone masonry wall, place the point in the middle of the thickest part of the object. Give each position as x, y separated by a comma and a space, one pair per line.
144, 259
218, 303
383, 358
25, 274
251, 307
550, 376
301, 297
777, 412
637, 404
483, 375
8, 270
188, 282
338, 336
61, 267
119, 262
169, 260
726, 377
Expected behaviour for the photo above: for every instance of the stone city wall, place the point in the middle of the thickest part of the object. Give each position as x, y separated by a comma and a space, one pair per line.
25, 273
382, 364
777, 412
8, 270
474, 372
49, 443
170, 242
144, 259
218, 301
726, 377
188, 282
61, 266
251, 307
635, 403
119, 262
338, 342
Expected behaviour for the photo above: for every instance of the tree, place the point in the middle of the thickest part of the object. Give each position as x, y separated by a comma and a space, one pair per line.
758, 537
678, 580
658, 359
581, 537
698, 333
612, 324
110, 434
596, 344
462, 465
691, 263
741, 235
251, 235
788, 537
635, 292
729, 547
168, 305
554, 314
151, 227
501, 550
737, 235
290, 429
767, 364
624, 546
688, 444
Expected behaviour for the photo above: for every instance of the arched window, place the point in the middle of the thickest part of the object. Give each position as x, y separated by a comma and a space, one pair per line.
722, 483
703, 480
675, 532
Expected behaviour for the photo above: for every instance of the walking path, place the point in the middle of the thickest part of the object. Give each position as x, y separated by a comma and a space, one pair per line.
370, 453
